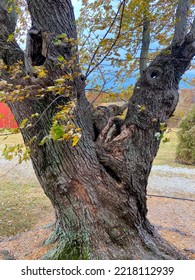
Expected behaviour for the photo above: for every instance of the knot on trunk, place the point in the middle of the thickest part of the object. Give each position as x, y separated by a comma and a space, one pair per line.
61, 185
169, 98
36, 49
154, 75
111, 130
104, 115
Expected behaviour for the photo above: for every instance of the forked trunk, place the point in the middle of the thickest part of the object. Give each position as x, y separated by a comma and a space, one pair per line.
98, 192
98, 187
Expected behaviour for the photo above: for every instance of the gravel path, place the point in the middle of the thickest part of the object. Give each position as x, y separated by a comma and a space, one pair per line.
163, 180
176, 170
172, 181
11, 170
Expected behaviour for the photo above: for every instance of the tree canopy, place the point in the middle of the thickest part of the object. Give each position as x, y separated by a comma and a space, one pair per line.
120, 38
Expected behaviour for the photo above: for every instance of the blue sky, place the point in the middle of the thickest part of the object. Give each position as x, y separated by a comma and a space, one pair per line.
77, 6
189, 74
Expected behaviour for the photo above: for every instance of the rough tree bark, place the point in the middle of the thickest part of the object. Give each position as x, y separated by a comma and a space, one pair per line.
97, 188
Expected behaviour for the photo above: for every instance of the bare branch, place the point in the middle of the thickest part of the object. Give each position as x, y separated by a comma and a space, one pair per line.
89, 71
192, 31
145, 41
10, 51
181, 27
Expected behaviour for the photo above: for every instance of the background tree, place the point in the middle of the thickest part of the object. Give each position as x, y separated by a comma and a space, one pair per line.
186, 148
93, 166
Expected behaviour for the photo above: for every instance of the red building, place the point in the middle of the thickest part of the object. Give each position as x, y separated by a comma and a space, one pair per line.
6, 118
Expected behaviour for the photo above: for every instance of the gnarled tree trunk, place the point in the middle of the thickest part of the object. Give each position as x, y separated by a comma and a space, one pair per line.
98, 187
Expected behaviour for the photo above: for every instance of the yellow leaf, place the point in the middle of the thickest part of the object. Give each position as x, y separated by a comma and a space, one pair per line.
42, 74
10, 38
60, 80
75, 140
129, 56
51, 88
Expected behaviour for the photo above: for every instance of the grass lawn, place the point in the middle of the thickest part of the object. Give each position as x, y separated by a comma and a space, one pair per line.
21, 207
167, 151
12, 139
23, 203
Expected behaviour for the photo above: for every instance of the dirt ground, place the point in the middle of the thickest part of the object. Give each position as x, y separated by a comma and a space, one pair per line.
174, 219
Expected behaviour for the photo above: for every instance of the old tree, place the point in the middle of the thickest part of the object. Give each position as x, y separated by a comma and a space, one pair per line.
97, 185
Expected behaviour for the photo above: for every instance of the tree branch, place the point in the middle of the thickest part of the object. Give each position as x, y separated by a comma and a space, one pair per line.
145, 40
89, 71
10, 51
181, 27
192, 31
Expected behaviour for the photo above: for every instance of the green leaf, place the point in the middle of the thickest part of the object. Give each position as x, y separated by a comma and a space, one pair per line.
61, 58
34, 115
10, 9
57, 42
62, 36
57, 131
44, 140
163, 126
142, 108
24, 123
166, 139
